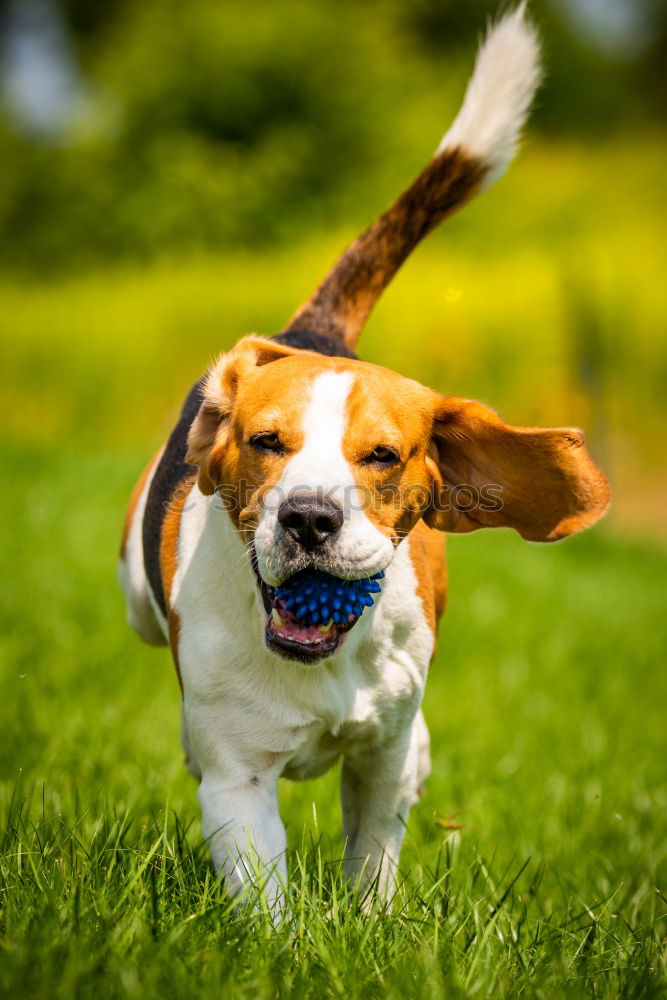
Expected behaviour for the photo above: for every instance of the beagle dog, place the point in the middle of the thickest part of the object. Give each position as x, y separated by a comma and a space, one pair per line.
293, 460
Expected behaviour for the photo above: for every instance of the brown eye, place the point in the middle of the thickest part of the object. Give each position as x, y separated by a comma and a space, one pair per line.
382, 455
267, 441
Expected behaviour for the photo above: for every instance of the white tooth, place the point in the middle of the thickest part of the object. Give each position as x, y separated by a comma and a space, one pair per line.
325, 628
276, 619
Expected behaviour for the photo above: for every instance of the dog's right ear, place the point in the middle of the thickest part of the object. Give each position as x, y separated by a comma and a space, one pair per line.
545, 484
208, 433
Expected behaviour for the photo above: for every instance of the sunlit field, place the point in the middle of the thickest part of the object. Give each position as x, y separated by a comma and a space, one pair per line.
536, 863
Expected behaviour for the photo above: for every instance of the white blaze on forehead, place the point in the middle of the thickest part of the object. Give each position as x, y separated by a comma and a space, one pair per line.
320, 462
320, 467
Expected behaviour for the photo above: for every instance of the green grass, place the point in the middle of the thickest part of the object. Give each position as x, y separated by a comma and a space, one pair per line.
547, 711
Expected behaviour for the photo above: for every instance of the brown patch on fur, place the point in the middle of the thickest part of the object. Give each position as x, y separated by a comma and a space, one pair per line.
340, 305
387, 410
169, 560
427, 555
134, 499
222, 421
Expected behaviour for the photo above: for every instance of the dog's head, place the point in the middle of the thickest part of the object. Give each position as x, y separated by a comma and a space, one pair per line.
326, 463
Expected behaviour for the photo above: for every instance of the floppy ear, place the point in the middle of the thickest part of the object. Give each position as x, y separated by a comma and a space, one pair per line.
540, 481
208, 433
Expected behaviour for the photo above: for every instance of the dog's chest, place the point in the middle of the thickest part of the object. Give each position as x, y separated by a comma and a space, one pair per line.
371, 700
322, 747
366, 721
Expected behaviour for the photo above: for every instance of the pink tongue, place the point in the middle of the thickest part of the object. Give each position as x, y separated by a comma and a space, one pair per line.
292, 629
300, 633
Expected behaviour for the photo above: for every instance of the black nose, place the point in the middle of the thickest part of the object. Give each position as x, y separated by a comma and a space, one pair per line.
310, 519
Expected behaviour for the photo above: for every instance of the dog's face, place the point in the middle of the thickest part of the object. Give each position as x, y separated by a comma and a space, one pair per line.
327, 463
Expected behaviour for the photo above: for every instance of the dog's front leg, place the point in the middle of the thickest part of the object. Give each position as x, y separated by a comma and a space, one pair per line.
377, 789
241, 823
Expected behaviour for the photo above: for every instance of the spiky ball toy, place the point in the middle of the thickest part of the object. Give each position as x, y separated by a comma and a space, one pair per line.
315, 598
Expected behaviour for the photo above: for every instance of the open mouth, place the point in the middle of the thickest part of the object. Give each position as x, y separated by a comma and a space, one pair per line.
310, 612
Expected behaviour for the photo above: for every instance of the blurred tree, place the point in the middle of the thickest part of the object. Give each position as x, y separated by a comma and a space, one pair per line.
588, 87
219, 122
90, 21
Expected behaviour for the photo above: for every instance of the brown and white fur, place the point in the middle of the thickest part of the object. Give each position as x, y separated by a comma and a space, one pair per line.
369, 467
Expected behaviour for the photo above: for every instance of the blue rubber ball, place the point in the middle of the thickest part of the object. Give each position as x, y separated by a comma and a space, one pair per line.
314, 597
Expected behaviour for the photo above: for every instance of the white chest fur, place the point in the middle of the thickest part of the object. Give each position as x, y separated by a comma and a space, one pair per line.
249, 709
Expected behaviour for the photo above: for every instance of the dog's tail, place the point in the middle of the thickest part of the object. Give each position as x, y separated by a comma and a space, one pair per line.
474, 152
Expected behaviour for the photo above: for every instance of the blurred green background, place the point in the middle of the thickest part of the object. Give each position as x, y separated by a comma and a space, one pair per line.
174, 175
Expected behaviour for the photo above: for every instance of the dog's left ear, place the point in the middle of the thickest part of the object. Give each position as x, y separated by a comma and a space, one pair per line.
540, 481
208, 433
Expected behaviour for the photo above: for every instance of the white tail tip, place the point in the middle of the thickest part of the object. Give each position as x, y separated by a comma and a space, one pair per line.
506, 75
